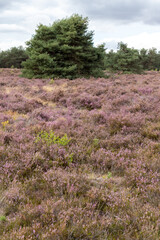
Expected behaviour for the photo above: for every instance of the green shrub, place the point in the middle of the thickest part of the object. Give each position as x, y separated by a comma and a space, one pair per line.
50, 138
2, 218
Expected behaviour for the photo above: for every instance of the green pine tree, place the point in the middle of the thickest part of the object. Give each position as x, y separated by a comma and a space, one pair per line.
125, 59
13, 57
65, 50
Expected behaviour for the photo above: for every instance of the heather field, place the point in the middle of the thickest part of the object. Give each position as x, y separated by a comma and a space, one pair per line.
80, 159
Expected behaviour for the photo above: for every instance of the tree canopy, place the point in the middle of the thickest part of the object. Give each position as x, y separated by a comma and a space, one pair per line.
64, 49
125, 59
130, 60
13, 57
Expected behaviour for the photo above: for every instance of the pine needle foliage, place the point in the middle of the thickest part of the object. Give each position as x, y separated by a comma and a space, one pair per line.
13, 57
64, 50
126, 60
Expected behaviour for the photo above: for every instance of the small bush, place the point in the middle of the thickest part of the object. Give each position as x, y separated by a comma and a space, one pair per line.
50, 138
2, 218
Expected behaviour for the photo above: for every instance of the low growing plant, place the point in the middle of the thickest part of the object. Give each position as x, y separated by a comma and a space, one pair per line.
51, 81
50, 138
109, 175
4, 124
2, 218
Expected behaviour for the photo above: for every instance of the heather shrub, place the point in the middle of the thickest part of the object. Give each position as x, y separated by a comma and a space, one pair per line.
152, 131
116, 124
87, 101
99, 117
81, 166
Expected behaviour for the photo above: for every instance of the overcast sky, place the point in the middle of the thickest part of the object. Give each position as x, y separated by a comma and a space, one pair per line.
135, 22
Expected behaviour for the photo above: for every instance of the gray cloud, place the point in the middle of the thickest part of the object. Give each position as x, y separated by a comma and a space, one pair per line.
10, 19
10, 28
4, 4
122, 11
7, 4
116, 10
152, 16
12, 4
109, 18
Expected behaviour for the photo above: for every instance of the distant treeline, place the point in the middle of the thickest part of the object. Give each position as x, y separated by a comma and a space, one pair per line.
131, 60
13, 57
125, 59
